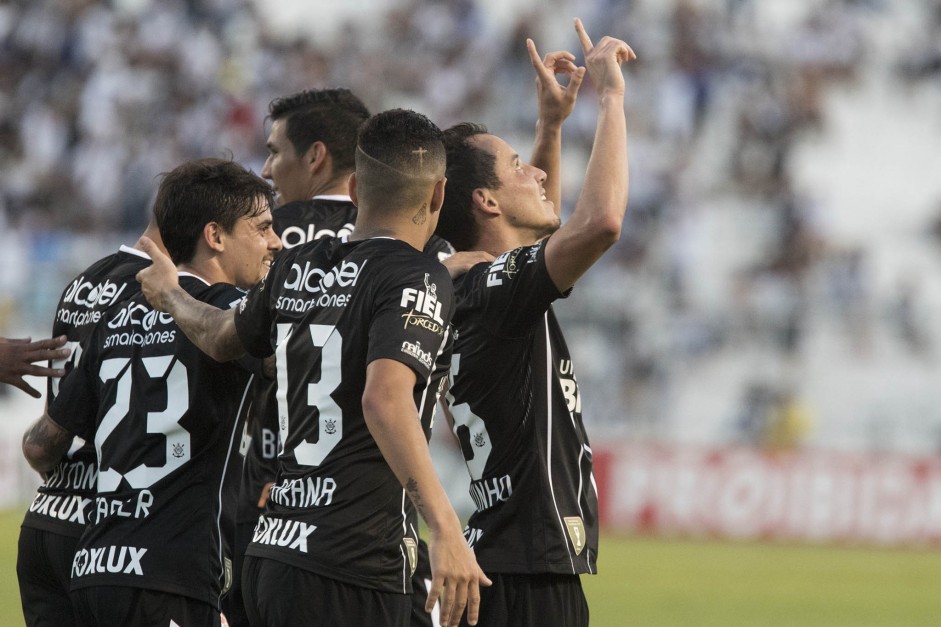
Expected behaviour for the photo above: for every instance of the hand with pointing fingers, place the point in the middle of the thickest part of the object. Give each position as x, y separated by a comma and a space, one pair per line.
556, 101
604, 60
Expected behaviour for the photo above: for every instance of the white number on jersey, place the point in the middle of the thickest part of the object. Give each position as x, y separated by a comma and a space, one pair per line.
324, 382
469, 429
165, 423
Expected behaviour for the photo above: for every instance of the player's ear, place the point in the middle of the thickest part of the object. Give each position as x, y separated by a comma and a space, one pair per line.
317, 156
437, 195
351, 183
213, 236
483, 200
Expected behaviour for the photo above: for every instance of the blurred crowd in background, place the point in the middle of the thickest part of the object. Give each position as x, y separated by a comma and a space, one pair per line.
729, 311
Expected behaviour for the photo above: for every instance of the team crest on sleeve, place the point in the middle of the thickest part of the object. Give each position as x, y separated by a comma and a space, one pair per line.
424, 308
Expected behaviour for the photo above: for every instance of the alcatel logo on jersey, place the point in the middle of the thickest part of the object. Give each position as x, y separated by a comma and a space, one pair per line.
138, 314
295, 235
87, 294
108, 559
424, 304
314, 280
279, 532
425, 358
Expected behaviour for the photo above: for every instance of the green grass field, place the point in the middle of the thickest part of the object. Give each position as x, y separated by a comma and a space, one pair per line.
652, 583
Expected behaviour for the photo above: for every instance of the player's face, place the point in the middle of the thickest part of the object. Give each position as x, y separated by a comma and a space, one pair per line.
250, 248
289, 171
522, 197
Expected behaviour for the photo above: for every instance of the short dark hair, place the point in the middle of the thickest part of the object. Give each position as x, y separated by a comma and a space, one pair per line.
198, 192
331, 116
469, 168
399, 154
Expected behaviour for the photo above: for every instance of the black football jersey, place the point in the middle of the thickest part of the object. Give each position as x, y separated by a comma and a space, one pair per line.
64, 501
325, 311
162, 416
304, 221
295, 223
517, 417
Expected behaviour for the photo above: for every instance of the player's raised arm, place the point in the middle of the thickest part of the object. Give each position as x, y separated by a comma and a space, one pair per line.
595, 225
209, 328
18, 358
390, 414
556, 102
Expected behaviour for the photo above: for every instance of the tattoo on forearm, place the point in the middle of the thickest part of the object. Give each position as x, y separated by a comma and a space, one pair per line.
411, 488
422, 216
48, 438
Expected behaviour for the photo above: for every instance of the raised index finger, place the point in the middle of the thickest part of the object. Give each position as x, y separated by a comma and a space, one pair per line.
541, 69
587, 46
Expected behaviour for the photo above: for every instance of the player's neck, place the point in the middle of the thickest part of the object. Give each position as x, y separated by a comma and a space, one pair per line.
336, 186
207, 269
497, 241
414, 235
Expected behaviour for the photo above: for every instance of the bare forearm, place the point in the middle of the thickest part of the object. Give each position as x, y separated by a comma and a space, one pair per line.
211, 329
397, 432
45, 443
547, 156
603, 200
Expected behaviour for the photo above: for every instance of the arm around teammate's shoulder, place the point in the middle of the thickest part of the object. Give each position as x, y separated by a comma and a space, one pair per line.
211, 329
595, 225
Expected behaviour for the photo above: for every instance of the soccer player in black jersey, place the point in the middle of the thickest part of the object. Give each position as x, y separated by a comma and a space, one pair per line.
19, 357
311, 148
162, 414
356, 325
513, 396
310, 158
63, 503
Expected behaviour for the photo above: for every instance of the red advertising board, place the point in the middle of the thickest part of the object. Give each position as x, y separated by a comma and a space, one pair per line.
751, 494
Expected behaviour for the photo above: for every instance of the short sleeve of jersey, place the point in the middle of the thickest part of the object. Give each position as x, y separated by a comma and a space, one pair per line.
253, 318
75, 408
439, 248
413, 311
514, 291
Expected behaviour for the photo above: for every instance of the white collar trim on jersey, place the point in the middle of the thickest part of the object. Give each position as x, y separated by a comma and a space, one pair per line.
343, 197
195, 276
346, 238
133, 251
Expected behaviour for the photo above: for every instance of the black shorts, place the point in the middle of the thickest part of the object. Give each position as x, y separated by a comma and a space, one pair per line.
277, 595
233, 603
109, 606
43, 568
421, 580
530, 600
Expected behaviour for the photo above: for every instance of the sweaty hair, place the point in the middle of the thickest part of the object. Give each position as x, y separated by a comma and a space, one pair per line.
469, 168
399, 157
331, 116
198, 192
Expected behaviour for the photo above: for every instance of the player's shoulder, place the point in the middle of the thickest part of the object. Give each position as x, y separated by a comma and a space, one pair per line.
326, 216
392, 256
123, 263
222, 295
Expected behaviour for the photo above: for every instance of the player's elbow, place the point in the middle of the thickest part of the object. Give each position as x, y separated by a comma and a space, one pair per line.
39, 457
606, 231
